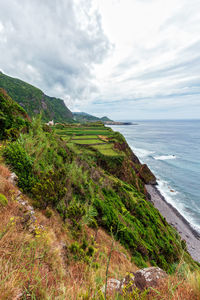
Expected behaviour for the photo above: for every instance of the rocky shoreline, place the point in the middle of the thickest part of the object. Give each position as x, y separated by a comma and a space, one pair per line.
174, 218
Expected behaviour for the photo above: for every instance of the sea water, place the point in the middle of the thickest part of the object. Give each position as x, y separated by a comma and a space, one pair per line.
171, 148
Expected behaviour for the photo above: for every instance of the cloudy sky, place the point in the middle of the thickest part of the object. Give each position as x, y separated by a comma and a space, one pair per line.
127, 59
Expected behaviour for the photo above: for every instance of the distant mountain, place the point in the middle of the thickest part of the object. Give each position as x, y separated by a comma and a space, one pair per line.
105, 119
33, 100
83, 117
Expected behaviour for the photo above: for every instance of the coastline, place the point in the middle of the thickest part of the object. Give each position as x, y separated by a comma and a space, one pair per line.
174, 218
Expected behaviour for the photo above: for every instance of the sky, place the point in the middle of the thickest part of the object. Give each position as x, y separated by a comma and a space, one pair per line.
127, 59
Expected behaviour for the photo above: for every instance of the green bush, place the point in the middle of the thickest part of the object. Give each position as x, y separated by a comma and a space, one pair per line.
75, 211
22, 164
79, 252
3, 200
50, 188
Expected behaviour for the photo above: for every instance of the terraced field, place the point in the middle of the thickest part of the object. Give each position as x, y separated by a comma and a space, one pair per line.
90, 139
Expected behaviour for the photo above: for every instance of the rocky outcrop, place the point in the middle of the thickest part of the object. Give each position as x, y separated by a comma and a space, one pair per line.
113, 285
13, 178
149, 277
141, 280
145, 174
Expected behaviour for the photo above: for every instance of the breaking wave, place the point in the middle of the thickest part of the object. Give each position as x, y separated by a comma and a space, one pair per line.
164, 157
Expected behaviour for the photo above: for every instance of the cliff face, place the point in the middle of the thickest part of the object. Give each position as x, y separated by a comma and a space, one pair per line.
83, 196
89, 174
34, 100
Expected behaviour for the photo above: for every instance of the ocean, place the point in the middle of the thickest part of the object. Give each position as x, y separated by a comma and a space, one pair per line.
171, 148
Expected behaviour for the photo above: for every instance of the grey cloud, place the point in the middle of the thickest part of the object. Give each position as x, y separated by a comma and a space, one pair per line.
52, 43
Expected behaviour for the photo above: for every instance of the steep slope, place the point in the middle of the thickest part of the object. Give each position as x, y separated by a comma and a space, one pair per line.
35, 257
84, 215
89, 187
33, 100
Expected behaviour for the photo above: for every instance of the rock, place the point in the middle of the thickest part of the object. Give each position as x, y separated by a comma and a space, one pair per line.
18, 193
24, 203
31, 228
113, 285
149, 277
30, 208
19, 296
141, 280
13, 178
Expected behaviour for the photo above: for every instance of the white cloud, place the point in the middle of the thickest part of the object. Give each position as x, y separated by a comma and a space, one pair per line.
53, 45
156, 52
123, 58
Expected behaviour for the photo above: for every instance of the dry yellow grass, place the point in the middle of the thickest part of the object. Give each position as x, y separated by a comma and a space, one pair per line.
36, 266
175, 288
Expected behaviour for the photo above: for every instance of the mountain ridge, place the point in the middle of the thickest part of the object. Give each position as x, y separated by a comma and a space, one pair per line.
84, 117
34, 101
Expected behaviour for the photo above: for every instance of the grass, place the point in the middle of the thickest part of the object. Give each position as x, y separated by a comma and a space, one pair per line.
85, 137
37, 266
41, 266
184, 284
85, 131
97, 137
88, 142
109, 152
91, 136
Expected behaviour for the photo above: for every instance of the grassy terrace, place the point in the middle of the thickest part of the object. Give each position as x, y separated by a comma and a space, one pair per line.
90, 138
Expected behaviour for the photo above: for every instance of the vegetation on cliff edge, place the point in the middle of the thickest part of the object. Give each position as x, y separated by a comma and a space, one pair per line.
83, 189
88, 192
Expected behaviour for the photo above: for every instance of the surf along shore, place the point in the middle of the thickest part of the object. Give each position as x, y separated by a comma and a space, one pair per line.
174, 218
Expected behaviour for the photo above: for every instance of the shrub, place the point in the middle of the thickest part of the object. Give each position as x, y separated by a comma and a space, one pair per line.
90, 251
3, 200
50, 189
75, 211
21, 163
79, 252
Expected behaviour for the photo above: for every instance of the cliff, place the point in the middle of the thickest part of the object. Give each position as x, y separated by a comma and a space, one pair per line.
79, 213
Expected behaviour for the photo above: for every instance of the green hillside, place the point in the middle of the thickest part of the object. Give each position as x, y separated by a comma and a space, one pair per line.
82, 214
88, 172
33, 100
13, 117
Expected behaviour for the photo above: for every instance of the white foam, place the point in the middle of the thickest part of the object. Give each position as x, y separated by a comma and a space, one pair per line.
164, 157
166, 191
141, 152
